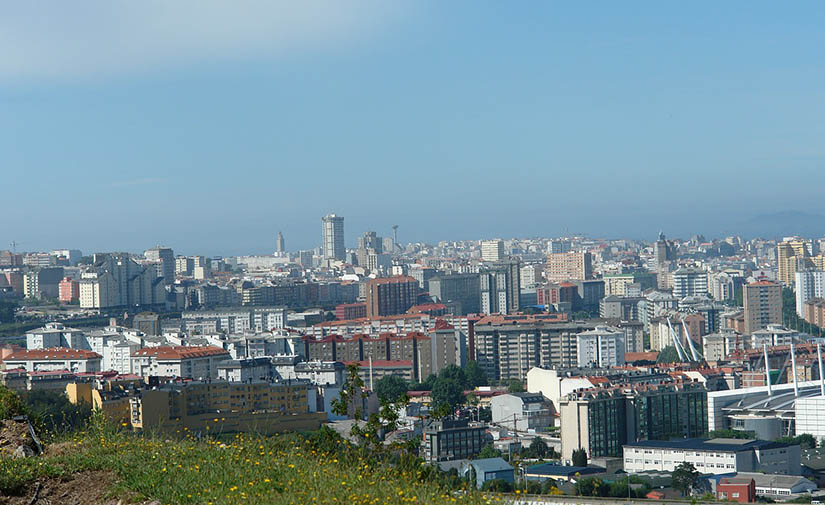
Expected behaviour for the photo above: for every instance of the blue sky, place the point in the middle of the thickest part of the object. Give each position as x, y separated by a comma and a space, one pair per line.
209, 126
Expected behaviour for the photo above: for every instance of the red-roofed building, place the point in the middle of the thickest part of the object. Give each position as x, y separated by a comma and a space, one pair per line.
433, 309
178, 361
738, 489
54, 358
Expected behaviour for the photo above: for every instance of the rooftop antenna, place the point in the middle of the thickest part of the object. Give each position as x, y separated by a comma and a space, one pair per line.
767, 369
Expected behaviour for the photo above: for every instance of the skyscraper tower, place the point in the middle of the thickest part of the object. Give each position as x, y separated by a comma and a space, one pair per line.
166, 258
332, 237
279, 243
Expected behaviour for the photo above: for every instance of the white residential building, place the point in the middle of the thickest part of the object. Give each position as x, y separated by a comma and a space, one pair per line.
178, 361
603, 347
54, 358
56, 335
774, 334
492, 250
809, 284
716, 456
119, 281
689, 281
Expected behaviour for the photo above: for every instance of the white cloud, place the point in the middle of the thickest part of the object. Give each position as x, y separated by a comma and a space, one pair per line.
75, 39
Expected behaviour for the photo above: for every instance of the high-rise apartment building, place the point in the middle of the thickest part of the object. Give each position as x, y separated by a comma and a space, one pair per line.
388, 296
166, 257
507, 348
763, 305
601, 347
460, 289
69, 290
531, 275
663, 254
116, 280
492, 250
558, 246
43, 282
662, 250
690, 281
371, 240
332, 231
569, 266
788, 253
601, 421
370, 251
723, 285
499, 285
809, 284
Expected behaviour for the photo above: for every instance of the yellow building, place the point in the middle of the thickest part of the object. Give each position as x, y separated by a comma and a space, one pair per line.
787, 254
263, 407
113, 401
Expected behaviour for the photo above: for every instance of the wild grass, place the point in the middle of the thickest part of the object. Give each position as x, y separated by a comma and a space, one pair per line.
248, 469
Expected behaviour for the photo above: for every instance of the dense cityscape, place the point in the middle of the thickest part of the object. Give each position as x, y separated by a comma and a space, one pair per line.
365, 252
521, 361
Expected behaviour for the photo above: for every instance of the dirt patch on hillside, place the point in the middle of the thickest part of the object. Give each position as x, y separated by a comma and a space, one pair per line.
14, 437
87, 488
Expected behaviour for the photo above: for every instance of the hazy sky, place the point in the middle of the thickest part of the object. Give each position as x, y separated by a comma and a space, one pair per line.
210, 125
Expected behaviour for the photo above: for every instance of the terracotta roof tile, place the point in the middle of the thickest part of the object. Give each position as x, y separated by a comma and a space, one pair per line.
52, 353
179, 352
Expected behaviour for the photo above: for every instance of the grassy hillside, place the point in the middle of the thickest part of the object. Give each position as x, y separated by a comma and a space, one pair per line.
289, 469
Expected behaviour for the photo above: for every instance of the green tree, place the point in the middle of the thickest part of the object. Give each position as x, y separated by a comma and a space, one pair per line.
515, 386
579, 457
684, 478
391, 387
10, 404
447, 392
52, 410
455, 373
7, 311
538, 448
488, 451
349, 403
731, 434
592, 486
668, 355
441, 410
804, 440
497, 486
476, 376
